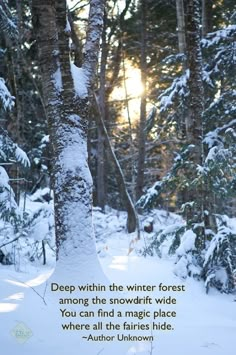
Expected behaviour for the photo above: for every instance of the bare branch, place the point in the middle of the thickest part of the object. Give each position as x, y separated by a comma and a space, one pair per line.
32, 288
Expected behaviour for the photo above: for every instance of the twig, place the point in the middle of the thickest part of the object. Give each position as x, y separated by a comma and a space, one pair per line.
74, 7
46, 285
34, 290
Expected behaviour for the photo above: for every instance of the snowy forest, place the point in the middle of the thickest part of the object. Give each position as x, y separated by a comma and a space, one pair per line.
117, 139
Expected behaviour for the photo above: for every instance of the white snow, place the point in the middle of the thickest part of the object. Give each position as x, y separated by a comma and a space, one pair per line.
4, 178
38, 195
40, 231
80, 81
187, 243
7, 201
74, 156
45, 139
67, 28
211, 154
214, 38
204, 324
5, 96
21, 156
178, 86
57, 79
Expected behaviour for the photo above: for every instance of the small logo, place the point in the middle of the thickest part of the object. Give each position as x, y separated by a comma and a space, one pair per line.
21, 332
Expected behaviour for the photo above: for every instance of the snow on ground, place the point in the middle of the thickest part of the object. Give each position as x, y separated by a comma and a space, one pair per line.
205, 324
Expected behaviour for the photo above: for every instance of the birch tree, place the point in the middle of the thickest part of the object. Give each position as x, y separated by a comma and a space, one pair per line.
66, 91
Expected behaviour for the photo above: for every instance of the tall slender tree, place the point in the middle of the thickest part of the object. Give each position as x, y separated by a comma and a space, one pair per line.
101, 176
143, 104
194, 127
207, 16
181, 26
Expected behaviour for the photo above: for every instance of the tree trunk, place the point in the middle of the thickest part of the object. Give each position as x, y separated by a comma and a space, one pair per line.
67, 112
77, 47
132, 220
100, 186
143, 111
180, 15
16, 126
194, 117
200, 216
207, 6
181, 26
194, 61
105, 89
101, 191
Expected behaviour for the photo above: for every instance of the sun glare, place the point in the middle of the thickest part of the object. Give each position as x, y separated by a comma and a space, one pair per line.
131, 87
130, 92
133, 83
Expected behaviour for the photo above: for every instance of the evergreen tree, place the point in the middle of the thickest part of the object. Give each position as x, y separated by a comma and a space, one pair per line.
204, 167
8, 149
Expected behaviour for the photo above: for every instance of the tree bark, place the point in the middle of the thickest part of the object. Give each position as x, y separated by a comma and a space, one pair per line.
105, 89
94, 33
101, 191
67, 113
194, 61
143, 105
194, 213
201, 214
77, 46
16, 125
132, 220
207, 6
181, 26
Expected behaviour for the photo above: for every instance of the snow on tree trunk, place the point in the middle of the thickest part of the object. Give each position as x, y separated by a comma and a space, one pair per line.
195, 111
200, 214
94, 32
196, 102
101, 189
66, 100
